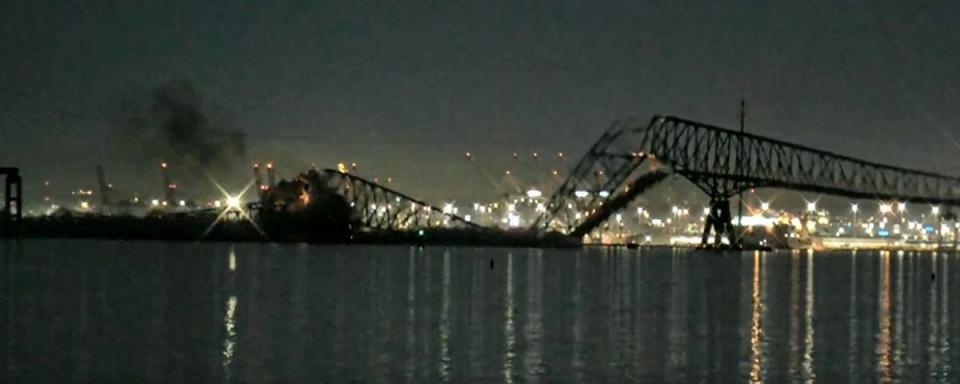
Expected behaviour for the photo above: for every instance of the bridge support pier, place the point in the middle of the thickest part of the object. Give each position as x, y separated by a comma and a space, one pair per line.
720, 219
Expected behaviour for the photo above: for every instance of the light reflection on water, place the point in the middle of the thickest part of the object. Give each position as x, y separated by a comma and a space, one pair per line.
128, 311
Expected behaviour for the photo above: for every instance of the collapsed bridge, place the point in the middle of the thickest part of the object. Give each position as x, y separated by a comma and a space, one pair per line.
378, 207
631, 157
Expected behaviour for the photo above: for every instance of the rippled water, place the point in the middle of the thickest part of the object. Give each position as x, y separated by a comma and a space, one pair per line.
101, 311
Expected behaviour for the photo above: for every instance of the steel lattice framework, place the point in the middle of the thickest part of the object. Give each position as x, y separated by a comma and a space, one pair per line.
722, 163
382, 208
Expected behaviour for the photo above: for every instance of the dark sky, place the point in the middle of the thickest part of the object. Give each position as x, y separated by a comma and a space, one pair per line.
405, 90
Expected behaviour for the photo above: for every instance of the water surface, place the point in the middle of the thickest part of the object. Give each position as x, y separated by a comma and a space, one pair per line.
96, 311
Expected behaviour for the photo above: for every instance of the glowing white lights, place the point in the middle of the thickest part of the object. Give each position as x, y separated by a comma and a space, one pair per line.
811, 206
534, 193
764, 205
901, 207
885, 208
935, 210
604, 194
581, 194
854, 208
233, 202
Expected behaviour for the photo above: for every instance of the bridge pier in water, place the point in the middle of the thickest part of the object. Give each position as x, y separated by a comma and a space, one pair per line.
720, 220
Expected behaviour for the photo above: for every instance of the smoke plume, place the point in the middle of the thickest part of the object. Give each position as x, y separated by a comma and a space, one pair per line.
173, 124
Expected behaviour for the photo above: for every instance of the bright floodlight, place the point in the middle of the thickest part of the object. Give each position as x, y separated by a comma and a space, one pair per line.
812, 206
233, 202
902, 207
534, 193
935, 210
764, 205
604, 194
854, 208
885, 208
581, 194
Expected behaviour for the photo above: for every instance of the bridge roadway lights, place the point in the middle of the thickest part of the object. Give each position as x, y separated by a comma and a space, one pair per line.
720, 219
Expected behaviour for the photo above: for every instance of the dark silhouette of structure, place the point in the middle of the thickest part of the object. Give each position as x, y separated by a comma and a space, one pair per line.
722, 163
12, 201
105, 188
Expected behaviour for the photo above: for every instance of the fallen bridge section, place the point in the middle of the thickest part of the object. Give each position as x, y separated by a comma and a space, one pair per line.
618, 202
382, 208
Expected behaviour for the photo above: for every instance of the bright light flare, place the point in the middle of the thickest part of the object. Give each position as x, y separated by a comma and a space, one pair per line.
885, 208
233, 203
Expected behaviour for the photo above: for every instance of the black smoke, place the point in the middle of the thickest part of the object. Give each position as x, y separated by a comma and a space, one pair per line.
173, 123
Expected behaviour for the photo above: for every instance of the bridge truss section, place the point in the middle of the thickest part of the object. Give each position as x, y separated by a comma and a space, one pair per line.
605, 180
381, 208
722, 163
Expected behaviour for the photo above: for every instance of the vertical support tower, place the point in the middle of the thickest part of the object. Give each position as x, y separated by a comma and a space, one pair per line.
169, 187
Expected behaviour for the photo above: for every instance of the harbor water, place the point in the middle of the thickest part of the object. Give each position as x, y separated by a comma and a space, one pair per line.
112, 311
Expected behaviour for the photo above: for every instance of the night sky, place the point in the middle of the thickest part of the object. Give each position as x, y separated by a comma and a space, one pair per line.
405, 90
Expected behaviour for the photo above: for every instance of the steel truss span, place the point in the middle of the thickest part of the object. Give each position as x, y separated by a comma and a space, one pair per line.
381, 208
722, 163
